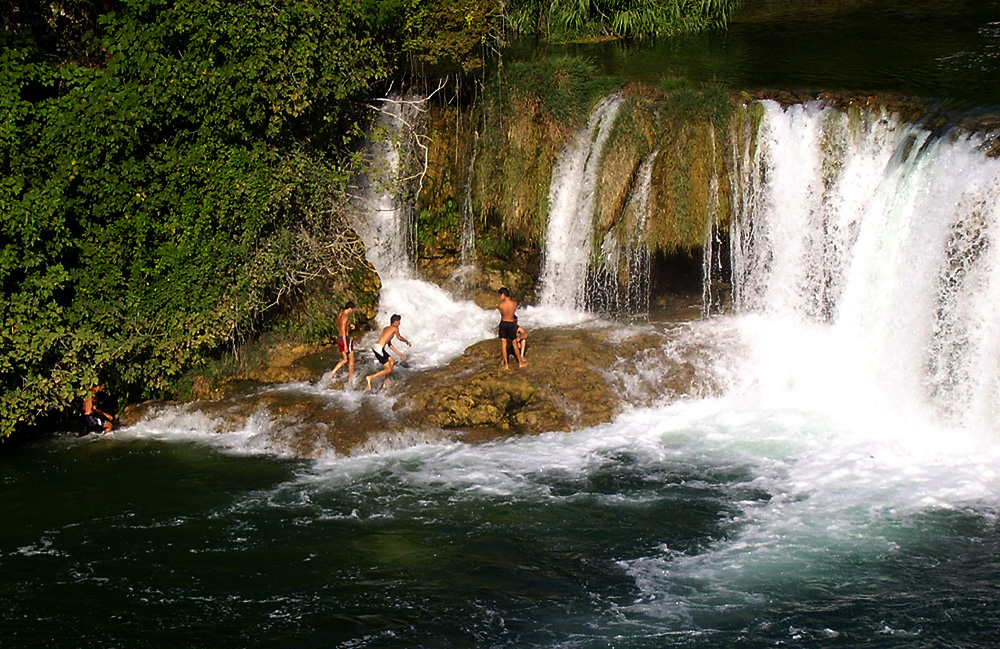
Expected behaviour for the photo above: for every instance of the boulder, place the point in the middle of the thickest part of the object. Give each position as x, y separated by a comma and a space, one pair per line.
562, 387
575, 378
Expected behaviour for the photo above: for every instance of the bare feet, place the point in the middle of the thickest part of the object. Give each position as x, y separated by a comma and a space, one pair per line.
369, 379
523, 364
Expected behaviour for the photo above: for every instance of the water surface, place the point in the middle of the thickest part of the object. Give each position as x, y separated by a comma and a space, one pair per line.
946, 50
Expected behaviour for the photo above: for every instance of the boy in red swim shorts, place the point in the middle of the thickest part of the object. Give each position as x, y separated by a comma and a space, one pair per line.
344, 343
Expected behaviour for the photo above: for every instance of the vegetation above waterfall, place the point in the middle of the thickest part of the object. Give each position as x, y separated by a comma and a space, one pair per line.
175, 174
171, 171
463, 31
553, 20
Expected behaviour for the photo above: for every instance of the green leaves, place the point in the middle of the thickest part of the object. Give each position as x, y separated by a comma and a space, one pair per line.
555, 20
148, 210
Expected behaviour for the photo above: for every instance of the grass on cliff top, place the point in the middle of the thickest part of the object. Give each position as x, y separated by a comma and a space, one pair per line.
566, 87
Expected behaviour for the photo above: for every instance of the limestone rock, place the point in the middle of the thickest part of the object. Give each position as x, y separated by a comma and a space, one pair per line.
575, 378
562, 387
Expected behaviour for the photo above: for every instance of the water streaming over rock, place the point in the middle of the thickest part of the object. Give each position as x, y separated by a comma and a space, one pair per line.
568, 239
886, 234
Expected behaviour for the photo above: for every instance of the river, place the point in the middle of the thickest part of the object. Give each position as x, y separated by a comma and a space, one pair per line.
841, 490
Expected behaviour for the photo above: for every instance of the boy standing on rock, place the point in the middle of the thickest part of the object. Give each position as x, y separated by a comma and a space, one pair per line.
507, 331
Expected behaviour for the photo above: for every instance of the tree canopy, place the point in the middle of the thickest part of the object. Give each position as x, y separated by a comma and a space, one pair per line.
170, 169
160, 162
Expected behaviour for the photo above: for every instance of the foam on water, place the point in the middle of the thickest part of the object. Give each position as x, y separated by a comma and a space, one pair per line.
185, 424
855, 385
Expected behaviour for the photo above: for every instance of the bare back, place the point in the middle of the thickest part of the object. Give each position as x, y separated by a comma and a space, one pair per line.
507, 307
387, 335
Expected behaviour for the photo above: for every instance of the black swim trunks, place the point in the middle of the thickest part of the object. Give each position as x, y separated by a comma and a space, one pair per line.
507, 329
91, 424
381, 355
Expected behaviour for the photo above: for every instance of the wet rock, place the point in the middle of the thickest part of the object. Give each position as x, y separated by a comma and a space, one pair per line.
562, 388
575, 378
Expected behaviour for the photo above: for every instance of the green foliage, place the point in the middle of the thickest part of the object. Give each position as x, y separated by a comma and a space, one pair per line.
567, 88
555, 20
460, 32
494, 247
440, 227
156, 205
453, 32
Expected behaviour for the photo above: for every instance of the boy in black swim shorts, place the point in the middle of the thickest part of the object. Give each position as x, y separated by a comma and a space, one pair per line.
507, 331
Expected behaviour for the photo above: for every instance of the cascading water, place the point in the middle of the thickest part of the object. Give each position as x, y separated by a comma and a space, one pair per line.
568, 239
385, 219
439, 326
886, 235
468, 249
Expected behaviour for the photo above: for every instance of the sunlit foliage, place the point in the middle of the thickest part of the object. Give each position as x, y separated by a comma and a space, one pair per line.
165, 176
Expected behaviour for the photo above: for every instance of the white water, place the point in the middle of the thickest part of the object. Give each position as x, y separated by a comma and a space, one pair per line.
871, 252
568, 238
859, 377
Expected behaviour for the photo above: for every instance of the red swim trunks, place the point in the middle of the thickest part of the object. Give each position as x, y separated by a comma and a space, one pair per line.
345, 345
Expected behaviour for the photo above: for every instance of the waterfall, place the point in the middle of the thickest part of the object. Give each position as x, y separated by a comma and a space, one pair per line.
468, 249
467, 268
712, 267
568, 240
885, 235
385, 220
621, 281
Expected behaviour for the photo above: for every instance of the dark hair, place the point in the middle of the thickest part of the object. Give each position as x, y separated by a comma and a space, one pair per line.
349, 305
504, 291
395, 318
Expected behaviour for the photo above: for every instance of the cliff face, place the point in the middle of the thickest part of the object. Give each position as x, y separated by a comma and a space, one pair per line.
491, 171
670, 175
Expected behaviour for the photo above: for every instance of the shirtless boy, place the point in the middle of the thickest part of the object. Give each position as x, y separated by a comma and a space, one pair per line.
383, 345
94, 419
507, 331
344, 343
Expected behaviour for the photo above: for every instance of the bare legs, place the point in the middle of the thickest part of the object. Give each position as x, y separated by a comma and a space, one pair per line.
386, 371
517, 353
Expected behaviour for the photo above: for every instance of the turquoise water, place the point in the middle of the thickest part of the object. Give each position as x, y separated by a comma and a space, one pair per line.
697, 525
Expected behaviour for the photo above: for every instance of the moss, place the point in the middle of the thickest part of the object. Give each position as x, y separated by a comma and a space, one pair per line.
451, 134
527, 116
439, 231
632, 139
688, 189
